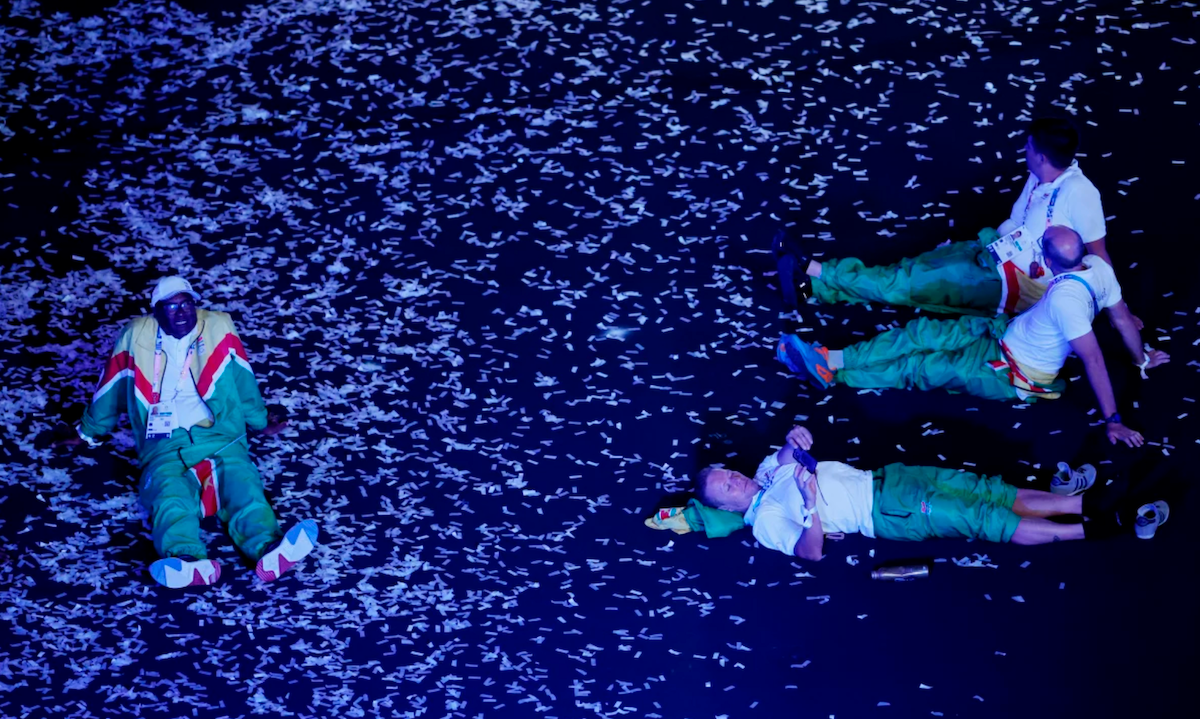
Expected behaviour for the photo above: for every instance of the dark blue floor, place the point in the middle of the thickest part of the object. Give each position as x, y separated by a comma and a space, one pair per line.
507, 263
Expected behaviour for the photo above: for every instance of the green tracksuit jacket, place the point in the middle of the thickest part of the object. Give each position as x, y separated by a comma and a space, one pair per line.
209, 456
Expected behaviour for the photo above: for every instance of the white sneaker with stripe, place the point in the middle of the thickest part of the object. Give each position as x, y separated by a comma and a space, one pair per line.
299, 541
180, 572
1071, 482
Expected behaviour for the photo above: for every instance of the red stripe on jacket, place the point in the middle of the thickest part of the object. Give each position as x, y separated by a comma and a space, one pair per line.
228, 346
119, 363
1013, 296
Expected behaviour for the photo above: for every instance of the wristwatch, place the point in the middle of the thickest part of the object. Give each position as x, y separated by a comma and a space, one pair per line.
1114, 418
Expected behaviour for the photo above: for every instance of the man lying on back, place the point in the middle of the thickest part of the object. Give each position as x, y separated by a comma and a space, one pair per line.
791, 508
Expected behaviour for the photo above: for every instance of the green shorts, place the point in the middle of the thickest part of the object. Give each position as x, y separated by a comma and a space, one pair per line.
916, 503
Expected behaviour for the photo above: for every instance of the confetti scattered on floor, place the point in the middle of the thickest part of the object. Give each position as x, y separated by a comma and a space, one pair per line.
507, 264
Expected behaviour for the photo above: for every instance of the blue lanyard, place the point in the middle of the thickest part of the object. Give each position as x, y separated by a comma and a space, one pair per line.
1049, 208
1095, 302
757, 501
1049, 219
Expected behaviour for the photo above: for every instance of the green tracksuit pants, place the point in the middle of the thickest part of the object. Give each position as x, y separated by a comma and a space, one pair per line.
959, 278
932, 354
916, 503
171, 494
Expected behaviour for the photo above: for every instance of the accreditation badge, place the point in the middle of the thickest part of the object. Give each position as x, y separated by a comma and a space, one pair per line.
161, 421
1018, 247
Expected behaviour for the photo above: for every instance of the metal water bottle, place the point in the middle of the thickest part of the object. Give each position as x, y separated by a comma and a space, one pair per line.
903, 573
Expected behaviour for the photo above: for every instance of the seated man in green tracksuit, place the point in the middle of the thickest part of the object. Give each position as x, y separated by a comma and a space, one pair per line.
791, 509
968, 277
183, 378
997, 358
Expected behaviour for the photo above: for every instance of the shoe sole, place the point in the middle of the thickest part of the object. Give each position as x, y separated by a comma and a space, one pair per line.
782, 355
297, 544
176, 573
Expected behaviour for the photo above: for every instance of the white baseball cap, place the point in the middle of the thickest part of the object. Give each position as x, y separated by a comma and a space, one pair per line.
169, 287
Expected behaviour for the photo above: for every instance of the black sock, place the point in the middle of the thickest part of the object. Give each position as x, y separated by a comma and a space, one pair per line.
786, 266
1106, 523
1100, 528
1099, 500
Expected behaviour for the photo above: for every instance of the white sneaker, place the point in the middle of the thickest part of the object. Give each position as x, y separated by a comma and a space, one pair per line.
1149, 518
295, 545
1070, 482
179, 572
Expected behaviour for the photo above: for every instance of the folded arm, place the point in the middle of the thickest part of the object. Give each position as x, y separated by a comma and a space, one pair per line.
798, 438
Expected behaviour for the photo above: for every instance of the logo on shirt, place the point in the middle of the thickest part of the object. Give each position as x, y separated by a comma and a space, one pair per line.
926, 507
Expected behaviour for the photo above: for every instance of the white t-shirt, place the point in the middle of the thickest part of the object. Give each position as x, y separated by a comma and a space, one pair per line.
777, 514
1077, 206
1040, 337
179, 386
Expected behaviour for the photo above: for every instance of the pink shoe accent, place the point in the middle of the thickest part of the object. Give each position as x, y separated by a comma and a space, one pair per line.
176, 573
295, 546
198, 579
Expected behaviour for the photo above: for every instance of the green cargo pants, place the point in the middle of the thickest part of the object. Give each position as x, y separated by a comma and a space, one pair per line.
916, 503
931, 354
171, 495
959, 278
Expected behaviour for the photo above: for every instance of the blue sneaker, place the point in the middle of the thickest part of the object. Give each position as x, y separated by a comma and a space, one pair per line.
808, 361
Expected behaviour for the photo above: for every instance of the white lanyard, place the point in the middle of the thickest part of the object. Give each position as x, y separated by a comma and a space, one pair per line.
160, 369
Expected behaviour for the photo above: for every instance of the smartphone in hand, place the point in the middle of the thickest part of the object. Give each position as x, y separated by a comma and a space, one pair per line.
805, 459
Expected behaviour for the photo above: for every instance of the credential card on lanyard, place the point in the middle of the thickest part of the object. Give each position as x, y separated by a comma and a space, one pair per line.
161, 421
1018, 247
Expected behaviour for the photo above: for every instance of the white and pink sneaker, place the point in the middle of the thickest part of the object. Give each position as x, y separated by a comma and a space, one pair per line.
295, 545
180, 572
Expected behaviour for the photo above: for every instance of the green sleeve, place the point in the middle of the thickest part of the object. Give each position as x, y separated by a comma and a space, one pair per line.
253, 408
110, 399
